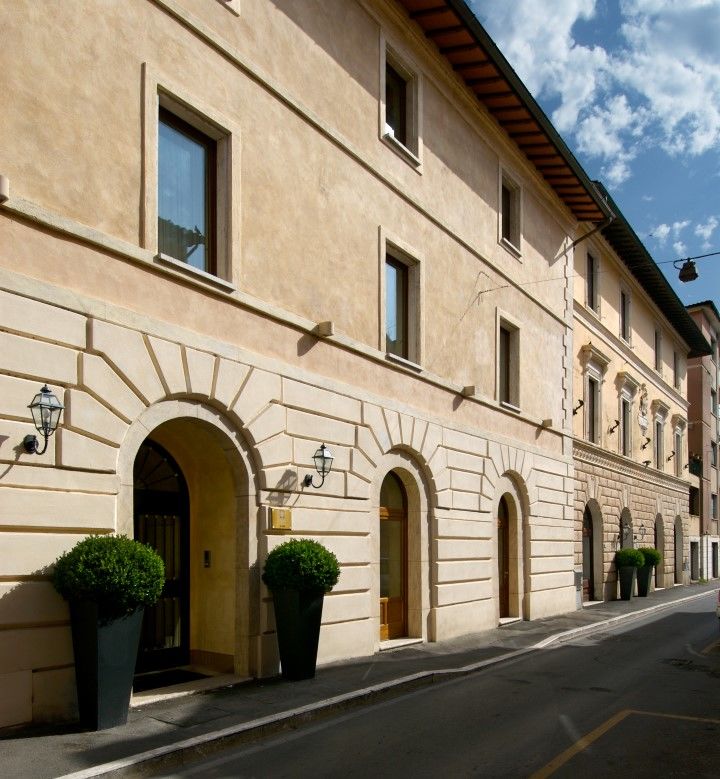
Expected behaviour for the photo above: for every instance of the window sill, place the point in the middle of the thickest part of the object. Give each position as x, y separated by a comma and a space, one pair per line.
510, 407
509, 246
403, 361
401, 150
191, 271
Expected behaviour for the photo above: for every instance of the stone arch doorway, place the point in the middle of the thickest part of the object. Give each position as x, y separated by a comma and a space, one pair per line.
402, 480
393, 514
162, 520
659, 543
512, 553
222, 581
678, 556
592, 553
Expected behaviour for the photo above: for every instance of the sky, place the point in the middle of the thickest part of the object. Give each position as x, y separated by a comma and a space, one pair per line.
633, 87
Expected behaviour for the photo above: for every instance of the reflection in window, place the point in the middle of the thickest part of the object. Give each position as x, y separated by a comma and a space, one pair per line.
396, 313
396, 99
186, 162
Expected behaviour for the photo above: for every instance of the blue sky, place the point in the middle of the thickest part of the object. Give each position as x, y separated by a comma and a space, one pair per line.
633, 86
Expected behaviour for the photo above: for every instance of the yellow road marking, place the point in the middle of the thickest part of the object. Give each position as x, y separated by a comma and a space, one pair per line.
710, 647
580, 744
594, 735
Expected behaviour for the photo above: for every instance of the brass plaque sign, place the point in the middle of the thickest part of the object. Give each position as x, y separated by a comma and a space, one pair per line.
281, 519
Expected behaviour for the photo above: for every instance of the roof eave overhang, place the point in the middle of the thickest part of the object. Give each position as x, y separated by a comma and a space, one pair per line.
465, 44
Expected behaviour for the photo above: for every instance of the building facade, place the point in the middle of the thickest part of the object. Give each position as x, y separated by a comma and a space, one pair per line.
703, 439
632, 341
233, 231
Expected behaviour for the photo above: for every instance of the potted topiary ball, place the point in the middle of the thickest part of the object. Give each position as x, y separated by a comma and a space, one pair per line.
627, 561
108, 581
298, 573
645, 572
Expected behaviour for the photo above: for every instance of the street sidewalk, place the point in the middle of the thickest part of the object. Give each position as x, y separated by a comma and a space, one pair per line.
176, 729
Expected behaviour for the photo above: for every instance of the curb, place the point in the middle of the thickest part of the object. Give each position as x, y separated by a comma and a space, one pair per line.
235, 735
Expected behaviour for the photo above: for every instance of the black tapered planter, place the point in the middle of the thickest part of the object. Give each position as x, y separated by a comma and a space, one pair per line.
298, 614
626, 574
644, 577
105, 656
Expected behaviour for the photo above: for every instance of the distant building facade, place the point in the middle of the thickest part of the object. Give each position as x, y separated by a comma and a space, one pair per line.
632, 342
703, 440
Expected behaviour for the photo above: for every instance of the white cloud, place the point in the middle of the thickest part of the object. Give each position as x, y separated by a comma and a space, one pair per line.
706, 230
659, 87
661, 233
680, 248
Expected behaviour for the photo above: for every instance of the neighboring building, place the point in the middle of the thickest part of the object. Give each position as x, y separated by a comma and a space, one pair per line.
632, 340
703, 440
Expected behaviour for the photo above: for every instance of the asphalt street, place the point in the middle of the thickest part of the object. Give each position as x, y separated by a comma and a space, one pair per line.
643, 700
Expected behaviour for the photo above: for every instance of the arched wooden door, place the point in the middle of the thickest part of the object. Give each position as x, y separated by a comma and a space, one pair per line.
503, 558
393, 558
588, 555
161, 518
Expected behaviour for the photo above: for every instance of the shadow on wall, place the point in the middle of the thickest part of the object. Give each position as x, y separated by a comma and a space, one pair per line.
285, 490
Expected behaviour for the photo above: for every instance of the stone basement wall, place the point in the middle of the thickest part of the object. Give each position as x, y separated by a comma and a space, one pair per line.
115, 380
617, 485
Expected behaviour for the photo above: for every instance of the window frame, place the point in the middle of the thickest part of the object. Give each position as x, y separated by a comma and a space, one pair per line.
513, 240
411, 148
658, 349
625, 316
508, 346
403, 253
592, 296
161, 91
677, 378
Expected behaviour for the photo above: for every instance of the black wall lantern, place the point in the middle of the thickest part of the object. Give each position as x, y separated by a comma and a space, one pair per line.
46, 410
323, 460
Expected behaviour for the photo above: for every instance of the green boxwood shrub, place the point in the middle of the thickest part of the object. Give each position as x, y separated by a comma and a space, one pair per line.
629, 557
301, 564
117, 573
651, 555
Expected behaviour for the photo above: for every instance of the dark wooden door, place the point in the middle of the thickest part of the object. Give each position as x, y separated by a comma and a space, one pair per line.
162, 522
587, 557
393, 559
504, 558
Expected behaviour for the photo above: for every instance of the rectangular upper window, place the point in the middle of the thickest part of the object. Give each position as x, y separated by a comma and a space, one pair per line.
678, 453
591, 294
626, 427
510, 213
397, 306
658, 349
624, 315
676, 370
186, 193
400, 114
508, 361
714, 505
592, 410
659, 444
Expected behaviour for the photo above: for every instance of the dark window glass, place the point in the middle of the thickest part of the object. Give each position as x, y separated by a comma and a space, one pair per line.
396, 314
504, 367
591, 279
186, 165
592, 409
658, 350
396, 103
507, 226
626, 427
624, 316
694, 501
658, 445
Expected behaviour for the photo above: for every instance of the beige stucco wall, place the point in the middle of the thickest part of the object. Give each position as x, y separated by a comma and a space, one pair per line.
231, 377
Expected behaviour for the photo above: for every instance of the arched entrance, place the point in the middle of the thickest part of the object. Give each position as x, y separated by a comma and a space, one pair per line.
678, 539
588, 556
503, 557
660, 546
393, 558
162, 520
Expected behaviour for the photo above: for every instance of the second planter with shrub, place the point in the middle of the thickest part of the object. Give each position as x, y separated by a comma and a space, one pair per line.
298, 573
652, 558
627, 561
